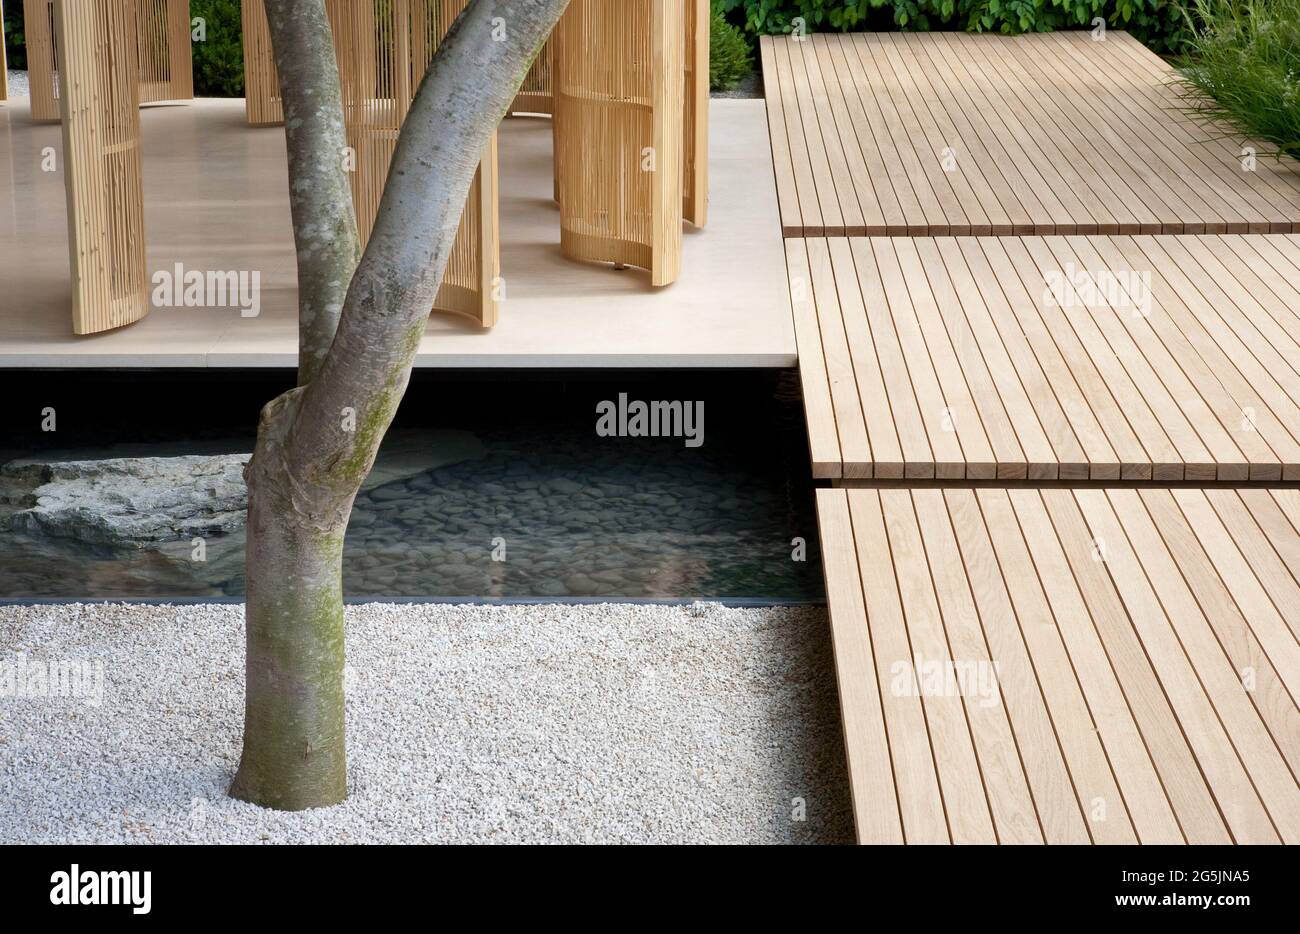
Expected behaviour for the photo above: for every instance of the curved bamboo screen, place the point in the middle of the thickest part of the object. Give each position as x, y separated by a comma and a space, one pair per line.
534, 95
262, 105
384, 47
618, 133
166, 66
162, 50
42, 78
99, 97
695, 114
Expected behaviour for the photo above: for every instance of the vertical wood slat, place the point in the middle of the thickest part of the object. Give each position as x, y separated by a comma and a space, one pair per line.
4, 63
262, 106
164, 68
166, 65
618, 133
42, 78
695, 116
384, 49
99, 98
534, 95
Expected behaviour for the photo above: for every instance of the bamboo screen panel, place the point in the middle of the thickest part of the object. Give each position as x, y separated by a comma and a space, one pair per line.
695, 115
42, 78
262, 106
166, 68
534, 95
618, 133
384, 48
99, 97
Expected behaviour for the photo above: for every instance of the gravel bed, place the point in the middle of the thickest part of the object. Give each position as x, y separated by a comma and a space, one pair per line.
17, 84
539, 723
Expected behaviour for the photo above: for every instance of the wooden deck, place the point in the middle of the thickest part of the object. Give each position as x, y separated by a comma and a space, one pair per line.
1126, 663
934, 134
1167, 358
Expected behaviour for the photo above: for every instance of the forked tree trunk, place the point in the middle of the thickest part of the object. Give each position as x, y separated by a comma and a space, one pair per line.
360, 325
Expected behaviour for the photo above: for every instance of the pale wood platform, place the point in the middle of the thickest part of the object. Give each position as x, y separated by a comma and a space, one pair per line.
1147, 665
216, 198
974, 358
1046, 133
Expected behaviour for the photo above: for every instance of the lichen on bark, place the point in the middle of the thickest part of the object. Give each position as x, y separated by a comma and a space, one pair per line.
360, 325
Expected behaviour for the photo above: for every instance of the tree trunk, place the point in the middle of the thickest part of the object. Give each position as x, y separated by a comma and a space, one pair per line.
294, 750
317, 442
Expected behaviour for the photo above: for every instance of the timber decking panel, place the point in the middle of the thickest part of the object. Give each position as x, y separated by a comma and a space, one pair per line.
1138, 650
934, 134
1166, 358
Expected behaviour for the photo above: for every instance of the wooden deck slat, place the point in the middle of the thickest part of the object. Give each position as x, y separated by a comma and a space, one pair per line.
1040, 129
920, 802
1010, 802
1167, 358
1120, 634
875, 801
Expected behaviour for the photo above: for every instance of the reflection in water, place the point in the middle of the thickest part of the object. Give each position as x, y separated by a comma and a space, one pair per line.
536, 505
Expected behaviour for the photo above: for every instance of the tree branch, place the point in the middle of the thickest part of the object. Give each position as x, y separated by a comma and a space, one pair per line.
324, 227
465, 93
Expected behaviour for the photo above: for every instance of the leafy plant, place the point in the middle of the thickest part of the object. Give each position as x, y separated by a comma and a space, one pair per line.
219, 58
730, 60
1159, 23
15, 45
1245, 61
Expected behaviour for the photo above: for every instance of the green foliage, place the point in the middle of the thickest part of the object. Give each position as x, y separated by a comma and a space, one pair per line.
1159, 23
729, 56
1245, 57
15, 45
219, 59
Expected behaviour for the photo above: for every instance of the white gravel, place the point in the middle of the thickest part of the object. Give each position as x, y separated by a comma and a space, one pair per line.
541, 723
17, 84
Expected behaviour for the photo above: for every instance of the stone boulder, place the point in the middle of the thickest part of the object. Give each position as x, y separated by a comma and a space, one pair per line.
128, 501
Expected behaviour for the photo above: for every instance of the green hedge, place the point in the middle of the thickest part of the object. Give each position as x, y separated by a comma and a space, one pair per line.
15, 48
219, 58
1159, 23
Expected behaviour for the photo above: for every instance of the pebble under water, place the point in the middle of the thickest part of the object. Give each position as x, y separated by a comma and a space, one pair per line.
536, 505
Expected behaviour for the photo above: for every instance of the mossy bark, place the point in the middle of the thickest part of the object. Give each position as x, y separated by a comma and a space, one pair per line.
317, 442
294, 738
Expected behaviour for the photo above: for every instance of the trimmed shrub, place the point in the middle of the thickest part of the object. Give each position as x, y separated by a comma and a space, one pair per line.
729, 57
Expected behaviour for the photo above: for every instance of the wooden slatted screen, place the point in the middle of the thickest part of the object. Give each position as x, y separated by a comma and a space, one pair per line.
99, 99
618, 133
384, 47
166, 67
42, 79
695, 116
262, 105
534, 95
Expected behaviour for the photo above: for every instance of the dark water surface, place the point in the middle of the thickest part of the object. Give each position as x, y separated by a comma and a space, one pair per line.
488, 487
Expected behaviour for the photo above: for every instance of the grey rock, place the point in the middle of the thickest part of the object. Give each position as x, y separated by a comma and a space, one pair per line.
129, 501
